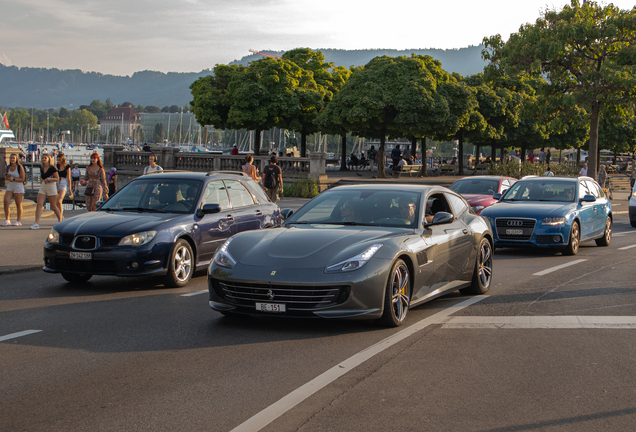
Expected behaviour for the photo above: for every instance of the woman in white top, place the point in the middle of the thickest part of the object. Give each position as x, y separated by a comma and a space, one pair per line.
152, 165
75, 175
48, 189
14, 179
250, 169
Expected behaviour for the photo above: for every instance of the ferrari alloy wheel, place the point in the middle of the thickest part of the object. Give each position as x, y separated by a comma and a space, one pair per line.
575, 237
607, 235
482, 276
76, 278
180, 266
398, 295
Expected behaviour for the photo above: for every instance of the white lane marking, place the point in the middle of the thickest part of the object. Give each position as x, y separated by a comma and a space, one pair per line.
194, 293
621, 212
622, 233
627, 247
559, 267
18, 334
542, 322
277, 409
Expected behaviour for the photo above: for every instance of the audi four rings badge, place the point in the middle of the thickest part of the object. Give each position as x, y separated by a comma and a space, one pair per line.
515, 223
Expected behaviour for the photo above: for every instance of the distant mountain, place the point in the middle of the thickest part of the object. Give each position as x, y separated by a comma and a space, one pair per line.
54, 88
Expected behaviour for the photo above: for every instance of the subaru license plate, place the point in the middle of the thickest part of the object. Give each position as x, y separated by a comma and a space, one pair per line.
86, 256
514, 232
270, 307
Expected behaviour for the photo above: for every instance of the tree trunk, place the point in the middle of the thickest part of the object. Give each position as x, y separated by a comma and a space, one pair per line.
257, 142
460, 152
303, 144
578, 156
381, 157
501, 153
493, 152
476, 156
592, 166
424, 170
343, 150
413, 148
523, 152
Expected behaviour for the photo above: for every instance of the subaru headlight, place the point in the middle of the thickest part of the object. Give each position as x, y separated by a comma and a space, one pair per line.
222, 256
553, 221
138, 239
54, 236
356, 262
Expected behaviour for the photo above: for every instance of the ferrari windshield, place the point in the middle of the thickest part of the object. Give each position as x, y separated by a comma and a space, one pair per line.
476, 186
155, 196
548, 190
364, 207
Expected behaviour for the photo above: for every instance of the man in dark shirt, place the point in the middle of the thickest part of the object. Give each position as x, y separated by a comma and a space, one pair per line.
273, 179
395, 155
146, 147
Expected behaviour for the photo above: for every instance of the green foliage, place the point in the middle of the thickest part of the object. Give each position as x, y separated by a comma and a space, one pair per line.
302, 188
519, 170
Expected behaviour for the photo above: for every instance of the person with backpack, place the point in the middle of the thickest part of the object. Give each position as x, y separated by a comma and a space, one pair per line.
273, 179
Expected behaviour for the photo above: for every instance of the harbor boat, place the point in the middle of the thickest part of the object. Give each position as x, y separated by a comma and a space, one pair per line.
6, 134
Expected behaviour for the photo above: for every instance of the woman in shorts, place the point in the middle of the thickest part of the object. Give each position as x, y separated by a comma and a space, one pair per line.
48, 189
95, 179
75, 176
64, 172
14, 179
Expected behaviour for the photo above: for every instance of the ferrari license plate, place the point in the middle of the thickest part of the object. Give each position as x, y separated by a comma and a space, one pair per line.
514, 232
86, 256
270, 307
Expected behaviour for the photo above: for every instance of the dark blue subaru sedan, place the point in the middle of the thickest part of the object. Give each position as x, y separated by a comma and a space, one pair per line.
551, 212
165, 224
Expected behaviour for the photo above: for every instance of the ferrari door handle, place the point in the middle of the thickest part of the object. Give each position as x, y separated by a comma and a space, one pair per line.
258, 213
230, 217
465, 231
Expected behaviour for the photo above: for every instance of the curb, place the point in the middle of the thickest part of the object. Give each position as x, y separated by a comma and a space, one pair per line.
25, 269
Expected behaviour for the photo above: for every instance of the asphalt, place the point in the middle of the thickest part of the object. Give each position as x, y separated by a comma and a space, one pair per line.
21, 249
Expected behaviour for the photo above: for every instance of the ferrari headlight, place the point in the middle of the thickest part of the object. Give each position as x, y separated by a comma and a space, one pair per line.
138, 239
356, 262
222, 256
479, 208
54, 236
553, 221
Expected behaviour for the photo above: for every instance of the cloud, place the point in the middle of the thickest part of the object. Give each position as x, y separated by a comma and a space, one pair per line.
5, 60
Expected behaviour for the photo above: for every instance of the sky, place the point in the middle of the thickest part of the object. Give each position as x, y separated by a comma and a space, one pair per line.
121, 37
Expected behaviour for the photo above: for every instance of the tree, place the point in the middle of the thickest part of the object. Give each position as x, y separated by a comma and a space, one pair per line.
158, 135
585, 50
152, 109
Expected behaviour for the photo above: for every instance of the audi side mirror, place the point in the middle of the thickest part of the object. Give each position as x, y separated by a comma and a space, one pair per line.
496, 196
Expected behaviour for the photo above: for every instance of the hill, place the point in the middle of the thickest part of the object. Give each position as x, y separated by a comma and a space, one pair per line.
54, 88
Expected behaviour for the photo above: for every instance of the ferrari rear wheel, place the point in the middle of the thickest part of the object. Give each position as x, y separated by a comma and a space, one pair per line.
482, 277
397, 296
76, 277
180, 266
575, 237
607, 235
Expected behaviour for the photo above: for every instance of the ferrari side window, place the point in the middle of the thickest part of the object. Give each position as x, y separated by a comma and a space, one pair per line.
458, 204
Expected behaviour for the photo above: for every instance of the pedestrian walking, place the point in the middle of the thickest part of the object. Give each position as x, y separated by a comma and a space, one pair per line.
371, 156
96, 185
583, 171
250, 169
273, 179
395, 155
602, 176
14, 179
64, 172
542, 155
48, 189
75, 178
112, 181
152, 164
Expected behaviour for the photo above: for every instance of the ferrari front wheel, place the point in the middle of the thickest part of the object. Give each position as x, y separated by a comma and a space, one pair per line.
397, 296
482, 277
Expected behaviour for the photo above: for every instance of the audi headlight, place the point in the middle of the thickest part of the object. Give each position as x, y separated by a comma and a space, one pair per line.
356, 262
553, 221
222, 256
138, 239
54, 236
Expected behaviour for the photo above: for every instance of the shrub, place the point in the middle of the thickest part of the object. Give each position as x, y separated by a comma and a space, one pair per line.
518, 170
301, 188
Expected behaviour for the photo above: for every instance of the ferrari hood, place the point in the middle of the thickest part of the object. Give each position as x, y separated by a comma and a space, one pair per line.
307, 246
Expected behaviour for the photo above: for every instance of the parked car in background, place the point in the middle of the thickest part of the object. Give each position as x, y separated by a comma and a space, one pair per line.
165, 224
551, 212
359, 252
478, 191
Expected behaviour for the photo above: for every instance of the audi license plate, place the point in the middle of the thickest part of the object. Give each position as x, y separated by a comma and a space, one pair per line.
270, 307
514, 232
86, 256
